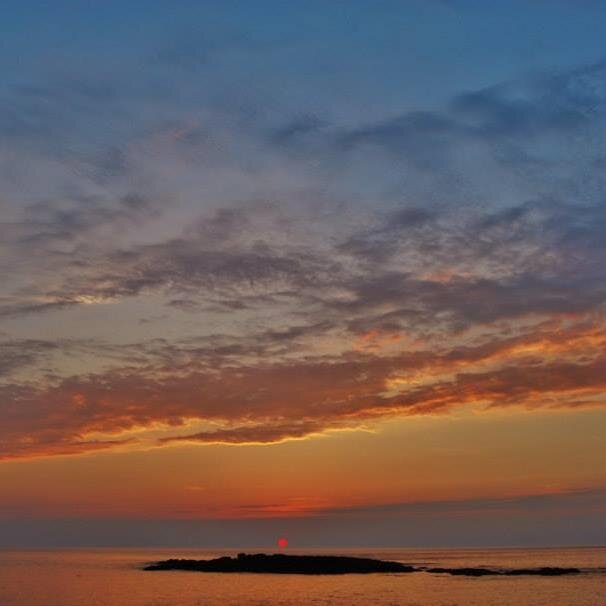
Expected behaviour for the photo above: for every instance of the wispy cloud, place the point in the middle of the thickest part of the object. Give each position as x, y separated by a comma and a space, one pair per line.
463, 245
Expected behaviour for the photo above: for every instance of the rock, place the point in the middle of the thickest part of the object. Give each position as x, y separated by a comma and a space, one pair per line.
320, 564
545, 571
284, 564
467, 572
481, 572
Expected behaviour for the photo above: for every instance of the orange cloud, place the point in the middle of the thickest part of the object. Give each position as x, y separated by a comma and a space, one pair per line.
555, 365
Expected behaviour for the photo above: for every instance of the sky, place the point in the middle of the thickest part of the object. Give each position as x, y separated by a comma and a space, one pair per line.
334, 271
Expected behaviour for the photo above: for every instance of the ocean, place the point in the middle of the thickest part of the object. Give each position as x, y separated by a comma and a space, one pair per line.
107, 577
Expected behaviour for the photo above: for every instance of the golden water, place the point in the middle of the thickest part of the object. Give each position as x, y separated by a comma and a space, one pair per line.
114, 578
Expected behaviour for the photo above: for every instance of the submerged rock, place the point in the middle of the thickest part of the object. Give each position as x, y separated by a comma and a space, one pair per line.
466, 572
546, 571
481, 572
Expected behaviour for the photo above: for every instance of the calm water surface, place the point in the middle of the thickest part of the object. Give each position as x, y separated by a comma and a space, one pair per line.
114, 578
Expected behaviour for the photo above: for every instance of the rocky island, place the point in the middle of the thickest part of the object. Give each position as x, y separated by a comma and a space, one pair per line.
284, 564
326, 564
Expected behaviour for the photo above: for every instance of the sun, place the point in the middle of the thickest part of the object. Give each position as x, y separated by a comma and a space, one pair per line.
282, 542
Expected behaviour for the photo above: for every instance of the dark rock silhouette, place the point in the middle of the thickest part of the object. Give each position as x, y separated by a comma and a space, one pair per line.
466, 572
303, 564
545, 571
284, 564
481, 572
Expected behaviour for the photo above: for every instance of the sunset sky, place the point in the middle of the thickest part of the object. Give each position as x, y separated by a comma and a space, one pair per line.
333, 270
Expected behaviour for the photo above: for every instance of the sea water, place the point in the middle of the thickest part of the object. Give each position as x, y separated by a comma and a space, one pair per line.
114, 578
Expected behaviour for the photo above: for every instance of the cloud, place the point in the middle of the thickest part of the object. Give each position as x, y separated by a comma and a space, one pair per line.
566, 500
305, 276
517, 112
558, 367
269, 433
19, 354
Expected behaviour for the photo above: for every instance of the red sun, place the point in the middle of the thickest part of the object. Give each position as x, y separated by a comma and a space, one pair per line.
282, 542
